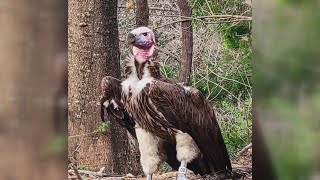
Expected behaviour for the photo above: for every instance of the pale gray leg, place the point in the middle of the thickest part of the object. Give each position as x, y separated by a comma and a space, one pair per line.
182, 171
187, 150
149, 176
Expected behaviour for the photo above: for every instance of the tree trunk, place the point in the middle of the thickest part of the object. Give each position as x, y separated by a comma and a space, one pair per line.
93, 53
30, 41
186, 42
142, 13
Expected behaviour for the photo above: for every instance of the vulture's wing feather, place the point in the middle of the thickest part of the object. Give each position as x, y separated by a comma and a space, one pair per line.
111, 89
111, 94
188, 111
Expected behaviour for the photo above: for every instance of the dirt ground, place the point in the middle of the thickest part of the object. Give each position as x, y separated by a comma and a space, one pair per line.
242, 165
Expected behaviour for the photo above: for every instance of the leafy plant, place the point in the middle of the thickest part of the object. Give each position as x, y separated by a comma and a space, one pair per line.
165, 167
102, 127
236, 126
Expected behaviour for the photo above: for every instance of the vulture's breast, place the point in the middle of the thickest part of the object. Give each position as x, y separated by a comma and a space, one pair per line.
132, 86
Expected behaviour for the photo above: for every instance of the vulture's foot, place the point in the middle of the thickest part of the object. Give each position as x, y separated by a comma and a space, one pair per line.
182, 171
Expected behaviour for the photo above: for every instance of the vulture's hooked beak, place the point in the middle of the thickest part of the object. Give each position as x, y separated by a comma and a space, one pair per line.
139, 41
131, 39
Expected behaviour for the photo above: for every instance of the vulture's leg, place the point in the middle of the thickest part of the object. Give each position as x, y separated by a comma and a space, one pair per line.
149, 176
187, 150
150, 151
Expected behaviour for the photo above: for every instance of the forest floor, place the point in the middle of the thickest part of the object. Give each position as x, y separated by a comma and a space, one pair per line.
242, 165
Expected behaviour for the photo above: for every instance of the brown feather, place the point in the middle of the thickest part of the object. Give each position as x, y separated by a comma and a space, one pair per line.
194, 115
111, 90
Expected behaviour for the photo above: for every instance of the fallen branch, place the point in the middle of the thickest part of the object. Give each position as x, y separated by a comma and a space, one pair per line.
245, 149
75, 170
99, 174
239, 171
77, 173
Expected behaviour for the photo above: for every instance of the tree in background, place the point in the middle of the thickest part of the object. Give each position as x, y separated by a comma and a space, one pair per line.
142, 13
93, 54
186, 42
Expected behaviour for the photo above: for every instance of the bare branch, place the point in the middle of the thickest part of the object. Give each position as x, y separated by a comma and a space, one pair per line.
245, 149
75, 170
168, 53
81, 135
153, 8
209, 7
200, 18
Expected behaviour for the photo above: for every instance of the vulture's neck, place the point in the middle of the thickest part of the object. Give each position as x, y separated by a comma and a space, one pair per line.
142, 68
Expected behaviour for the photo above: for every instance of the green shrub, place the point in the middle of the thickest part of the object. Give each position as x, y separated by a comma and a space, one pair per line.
236, 128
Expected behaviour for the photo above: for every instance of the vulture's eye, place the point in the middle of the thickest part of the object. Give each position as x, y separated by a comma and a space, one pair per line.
145, 34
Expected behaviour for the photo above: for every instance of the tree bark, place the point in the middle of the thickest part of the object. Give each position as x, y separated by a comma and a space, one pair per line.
93, 54
186, 42
142, 13
31, 39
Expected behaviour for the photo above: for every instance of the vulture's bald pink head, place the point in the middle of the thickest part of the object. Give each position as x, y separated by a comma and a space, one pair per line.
143, 41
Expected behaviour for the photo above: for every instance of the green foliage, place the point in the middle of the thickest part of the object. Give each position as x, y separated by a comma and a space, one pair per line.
236, 129
169, 71
225, 79
85, 167
236, 36
165, 167
102, 127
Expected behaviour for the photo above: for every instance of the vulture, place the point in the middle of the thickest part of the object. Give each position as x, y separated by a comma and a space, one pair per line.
171, 122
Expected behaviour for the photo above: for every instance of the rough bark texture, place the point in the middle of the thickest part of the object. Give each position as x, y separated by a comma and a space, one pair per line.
30, 40
186, 42
142, 13
93, 54
119, 138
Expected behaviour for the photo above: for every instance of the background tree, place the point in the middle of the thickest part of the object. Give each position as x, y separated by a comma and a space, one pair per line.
186, 42
142, 13
93, 53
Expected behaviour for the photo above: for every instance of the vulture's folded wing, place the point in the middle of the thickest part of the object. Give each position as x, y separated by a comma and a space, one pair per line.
187, 110
111, 101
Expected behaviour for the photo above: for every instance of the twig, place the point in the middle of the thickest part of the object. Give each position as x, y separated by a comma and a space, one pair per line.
244, 149
184, 18
100, 174
194, 4
219, 86
234, 20
152, 8
74, 167
221, 16
209, 6
77, 173
80, 135
229, 79
168, 53
224, 16
173, 22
